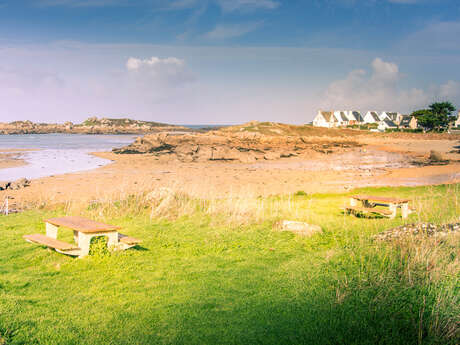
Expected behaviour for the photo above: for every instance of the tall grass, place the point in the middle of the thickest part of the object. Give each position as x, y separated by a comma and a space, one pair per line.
215, 271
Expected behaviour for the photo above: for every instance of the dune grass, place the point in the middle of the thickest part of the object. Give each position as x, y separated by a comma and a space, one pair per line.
215, 272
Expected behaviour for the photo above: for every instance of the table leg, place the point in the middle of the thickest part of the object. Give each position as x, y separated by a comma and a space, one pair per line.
405, 210
51, 230
393, 209
112, 239
84, 242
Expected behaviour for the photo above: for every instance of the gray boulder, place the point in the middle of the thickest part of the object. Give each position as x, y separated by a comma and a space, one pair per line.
299, 228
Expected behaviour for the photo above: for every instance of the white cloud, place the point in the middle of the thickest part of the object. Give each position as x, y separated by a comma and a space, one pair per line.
384, 72
170, 71
225, 31
154, 62
435, 38
450, 90
381, 91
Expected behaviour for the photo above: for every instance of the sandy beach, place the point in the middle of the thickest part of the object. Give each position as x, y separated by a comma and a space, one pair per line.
379, 162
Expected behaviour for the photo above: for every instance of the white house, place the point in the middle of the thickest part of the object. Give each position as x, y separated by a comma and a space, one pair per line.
357, 115
354, 117
325, 119
371, 117
342, 118
408, 121
385, 124
393, 116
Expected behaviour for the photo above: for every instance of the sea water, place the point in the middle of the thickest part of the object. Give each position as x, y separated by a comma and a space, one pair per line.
58, 153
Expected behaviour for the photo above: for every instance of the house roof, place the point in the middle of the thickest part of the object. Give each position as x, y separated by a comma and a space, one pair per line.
374, 115
389, 123
343, 116
327, 116
357, 116
392, 115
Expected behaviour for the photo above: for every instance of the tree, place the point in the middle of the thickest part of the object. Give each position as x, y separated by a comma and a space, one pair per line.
436, 117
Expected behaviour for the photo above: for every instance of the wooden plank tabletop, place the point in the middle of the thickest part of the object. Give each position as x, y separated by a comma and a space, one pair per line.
82, 224
380, 198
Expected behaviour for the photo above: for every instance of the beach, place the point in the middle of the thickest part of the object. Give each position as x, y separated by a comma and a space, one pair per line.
376, 161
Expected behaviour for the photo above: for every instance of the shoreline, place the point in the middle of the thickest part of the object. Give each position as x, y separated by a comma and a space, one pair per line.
11, 158
373, 161
133, 174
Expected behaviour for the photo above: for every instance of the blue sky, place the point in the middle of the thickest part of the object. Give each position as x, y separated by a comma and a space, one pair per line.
224, 61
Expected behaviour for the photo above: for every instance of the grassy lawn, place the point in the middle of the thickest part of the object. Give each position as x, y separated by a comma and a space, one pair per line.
199, 279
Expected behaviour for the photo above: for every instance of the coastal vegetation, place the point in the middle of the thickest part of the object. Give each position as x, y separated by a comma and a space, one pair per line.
437, 117
216, 271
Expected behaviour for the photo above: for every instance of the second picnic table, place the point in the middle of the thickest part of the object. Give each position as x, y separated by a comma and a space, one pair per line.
369, 203
83, 231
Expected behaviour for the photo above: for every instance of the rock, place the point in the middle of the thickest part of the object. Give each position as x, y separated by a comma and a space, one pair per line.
5, 185
435, 156
299, 228
425, 229
19, 184
272, 156
245, 147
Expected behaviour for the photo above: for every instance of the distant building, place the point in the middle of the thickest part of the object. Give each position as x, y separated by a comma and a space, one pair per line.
393, 116
408, 121
354, 117
371, 117
325, 119
385, 124
457, 122
342, 118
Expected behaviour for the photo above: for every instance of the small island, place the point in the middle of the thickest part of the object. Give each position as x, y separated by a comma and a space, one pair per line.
92, 125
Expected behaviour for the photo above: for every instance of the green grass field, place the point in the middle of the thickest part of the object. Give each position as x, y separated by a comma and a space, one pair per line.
200, 278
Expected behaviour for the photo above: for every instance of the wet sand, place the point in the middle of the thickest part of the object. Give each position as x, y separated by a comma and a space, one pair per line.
11, 158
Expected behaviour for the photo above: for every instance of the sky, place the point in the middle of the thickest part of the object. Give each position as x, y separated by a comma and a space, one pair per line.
224, 61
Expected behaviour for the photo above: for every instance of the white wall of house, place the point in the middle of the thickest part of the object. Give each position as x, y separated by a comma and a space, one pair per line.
413, 123
368, 118
320, 121
386, 114
383, 126
351, 117
457, 122
340, 120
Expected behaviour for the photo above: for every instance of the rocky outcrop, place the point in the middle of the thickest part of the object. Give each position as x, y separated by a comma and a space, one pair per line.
224, 146
425, 229
93, 125
19, 184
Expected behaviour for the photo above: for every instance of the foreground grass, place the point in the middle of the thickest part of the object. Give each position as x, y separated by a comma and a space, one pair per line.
198, 279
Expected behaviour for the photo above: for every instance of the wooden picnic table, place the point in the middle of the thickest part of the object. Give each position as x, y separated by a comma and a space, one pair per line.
83, 231
369, 203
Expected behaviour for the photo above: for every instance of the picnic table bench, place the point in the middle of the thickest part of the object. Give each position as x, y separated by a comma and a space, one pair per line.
83, 231
369, 203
